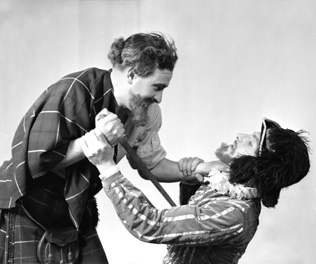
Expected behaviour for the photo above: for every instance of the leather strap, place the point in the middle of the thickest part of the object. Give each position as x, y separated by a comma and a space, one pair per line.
146, 172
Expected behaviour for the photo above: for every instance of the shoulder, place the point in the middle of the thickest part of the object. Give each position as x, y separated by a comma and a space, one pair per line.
154, 116
92, 73
91, 79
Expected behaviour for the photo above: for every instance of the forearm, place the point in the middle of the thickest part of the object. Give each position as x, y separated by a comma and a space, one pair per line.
205, 167
168, 171
152, 225
73, 155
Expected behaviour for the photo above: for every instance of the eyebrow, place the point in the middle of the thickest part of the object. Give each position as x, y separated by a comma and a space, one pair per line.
160, 86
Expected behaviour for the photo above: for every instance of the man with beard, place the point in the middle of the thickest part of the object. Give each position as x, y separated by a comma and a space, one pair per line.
221, 218
47, 188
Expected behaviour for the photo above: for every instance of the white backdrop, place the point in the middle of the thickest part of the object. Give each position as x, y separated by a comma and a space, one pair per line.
239, 60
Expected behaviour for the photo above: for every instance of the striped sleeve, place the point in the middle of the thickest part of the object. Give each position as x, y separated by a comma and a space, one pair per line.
206, 224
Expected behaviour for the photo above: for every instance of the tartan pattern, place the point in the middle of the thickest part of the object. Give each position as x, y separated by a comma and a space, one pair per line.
19, 237
64, 112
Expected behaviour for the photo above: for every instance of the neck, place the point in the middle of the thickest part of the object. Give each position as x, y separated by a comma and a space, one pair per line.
120, 86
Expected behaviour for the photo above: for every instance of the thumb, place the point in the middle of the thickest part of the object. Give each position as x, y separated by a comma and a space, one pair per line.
103, 113
199, 177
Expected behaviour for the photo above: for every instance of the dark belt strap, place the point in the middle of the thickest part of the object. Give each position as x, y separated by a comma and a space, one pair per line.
146, 172
121, 113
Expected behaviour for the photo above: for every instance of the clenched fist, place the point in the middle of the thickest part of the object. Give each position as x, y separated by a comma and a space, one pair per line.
110, 125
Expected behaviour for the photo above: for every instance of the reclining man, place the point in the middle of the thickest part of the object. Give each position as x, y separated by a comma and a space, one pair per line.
221, 218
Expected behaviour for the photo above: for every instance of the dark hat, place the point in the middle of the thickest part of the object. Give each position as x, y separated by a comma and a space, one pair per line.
267, 124
282, 160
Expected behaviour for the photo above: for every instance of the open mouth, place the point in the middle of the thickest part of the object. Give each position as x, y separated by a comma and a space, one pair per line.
234, 146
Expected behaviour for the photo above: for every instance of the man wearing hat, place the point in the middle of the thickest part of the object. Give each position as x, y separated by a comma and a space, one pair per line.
222, 216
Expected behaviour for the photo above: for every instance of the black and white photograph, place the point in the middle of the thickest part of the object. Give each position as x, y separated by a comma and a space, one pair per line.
157, 131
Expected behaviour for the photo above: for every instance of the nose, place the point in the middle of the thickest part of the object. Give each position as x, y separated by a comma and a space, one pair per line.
257, 135
158, 97
241, 137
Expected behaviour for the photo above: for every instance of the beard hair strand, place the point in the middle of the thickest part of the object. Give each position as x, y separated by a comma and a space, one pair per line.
222, 155
140, 110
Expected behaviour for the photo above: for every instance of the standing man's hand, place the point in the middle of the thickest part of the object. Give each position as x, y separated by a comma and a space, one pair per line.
110, 125
188, 165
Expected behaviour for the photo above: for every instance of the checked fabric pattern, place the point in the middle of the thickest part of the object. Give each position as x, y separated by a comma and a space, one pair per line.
65, 111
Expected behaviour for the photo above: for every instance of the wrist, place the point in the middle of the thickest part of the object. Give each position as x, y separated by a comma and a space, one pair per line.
203, 167
108, 171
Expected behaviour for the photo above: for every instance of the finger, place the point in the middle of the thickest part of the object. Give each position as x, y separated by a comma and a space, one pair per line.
101, 137
103, 140
195, 162
85, 146
110, 125
91, 139
180, 164
98, 133
115, 136
103, 113
188, 166
112, 118
199, 177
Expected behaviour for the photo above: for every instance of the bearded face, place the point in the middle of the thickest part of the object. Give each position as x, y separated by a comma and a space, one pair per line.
245, 144
223, 154
139, 109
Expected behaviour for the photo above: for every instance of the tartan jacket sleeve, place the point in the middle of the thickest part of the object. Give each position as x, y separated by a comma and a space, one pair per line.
201, 224
65, 111
59, 115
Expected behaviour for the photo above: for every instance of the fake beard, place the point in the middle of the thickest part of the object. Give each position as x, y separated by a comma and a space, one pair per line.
222, 154
140, 110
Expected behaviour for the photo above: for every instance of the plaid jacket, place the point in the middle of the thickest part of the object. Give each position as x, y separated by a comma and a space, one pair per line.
66, 111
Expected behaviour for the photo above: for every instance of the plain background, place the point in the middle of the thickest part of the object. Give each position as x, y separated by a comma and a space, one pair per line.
239, 60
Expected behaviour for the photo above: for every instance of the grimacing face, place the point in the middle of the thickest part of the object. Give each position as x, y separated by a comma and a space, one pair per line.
245, 144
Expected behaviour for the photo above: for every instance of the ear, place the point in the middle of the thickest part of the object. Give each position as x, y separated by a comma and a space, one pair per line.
130, 76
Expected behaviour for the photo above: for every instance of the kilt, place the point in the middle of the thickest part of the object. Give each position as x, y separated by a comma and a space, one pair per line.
19, 238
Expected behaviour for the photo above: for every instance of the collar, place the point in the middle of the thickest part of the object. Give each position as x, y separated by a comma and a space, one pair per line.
220, 181
121, 112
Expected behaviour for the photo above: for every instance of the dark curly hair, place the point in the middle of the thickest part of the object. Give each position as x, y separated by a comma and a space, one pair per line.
144, 53
284, 164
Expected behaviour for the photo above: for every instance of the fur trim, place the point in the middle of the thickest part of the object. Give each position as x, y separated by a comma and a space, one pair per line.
284, 164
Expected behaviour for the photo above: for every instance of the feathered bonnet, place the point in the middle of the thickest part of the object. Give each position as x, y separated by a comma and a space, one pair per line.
282, 160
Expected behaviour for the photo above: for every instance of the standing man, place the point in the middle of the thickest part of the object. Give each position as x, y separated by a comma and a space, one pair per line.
47, 188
